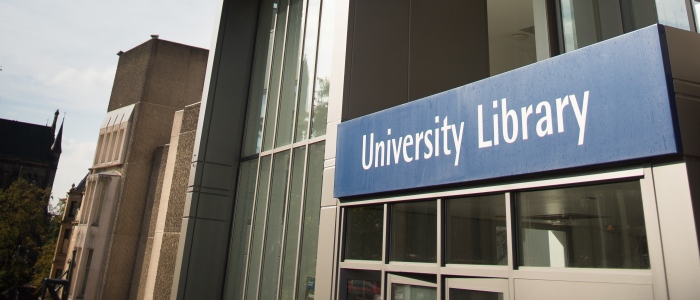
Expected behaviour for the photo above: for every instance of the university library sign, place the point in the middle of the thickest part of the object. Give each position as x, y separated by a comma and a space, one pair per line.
604, 103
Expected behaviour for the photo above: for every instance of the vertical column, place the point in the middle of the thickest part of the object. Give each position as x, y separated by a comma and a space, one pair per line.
201, 258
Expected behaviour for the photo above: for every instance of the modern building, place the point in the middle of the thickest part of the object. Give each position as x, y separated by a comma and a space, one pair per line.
115, 238
446, 149
29, 151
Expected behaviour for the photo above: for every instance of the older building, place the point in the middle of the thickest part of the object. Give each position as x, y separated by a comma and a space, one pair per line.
29, 151
72, 202
113, 239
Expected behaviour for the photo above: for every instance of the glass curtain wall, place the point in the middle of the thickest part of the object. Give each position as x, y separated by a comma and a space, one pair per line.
272, 252
585, 22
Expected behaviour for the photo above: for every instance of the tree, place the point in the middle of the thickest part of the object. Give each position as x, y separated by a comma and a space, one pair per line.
24, 229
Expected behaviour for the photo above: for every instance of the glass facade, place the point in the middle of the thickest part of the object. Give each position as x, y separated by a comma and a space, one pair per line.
272, 252
585, 22
598, 226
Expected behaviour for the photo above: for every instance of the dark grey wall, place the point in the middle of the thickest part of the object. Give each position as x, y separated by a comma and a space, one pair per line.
400, 51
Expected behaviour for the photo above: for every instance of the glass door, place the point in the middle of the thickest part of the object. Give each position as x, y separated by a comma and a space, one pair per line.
412, 288
476, 289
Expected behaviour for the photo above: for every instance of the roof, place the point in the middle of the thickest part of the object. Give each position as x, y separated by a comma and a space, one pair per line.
24, 141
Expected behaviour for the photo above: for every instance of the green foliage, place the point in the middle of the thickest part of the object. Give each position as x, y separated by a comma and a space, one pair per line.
24, 228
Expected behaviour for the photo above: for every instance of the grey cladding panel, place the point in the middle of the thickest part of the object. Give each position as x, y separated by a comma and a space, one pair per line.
449, 45
379, 56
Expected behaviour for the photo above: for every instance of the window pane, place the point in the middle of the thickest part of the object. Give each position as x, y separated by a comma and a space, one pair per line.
359, 289
414, 231
475, 230
258, 229
293, 219
406, 292
599, 226
260, 78
513, 36
312, 209
456, 294
275, 76
319, 113
673, 13
308, 65
696, 8
240, 233
290, 78
586, 22
275, 220
363, 238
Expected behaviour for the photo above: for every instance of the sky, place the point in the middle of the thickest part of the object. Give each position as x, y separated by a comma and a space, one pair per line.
62, 54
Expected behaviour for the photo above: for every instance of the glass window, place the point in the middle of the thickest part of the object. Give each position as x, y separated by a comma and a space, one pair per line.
673, 13
240, 233
312, 209
319, 113
585, 22
255, 258
405, 292
290, 78
414, 231
364, 233
457, 294
275, 76
260, 78
515, 38
275, 222
696, 9
293, 218
360, 289
308, 65
475, 230
598, 226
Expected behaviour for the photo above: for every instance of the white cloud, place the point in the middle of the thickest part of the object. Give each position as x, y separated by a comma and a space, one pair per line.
59, 54
73, 165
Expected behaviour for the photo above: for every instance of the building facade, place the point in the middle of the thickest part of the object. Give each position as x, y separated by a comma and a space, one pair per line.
72, 202
351, 149
113, 238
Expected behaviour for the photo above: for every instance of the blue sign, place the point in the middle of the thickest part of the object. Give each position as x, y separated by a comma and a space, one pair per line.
608, 102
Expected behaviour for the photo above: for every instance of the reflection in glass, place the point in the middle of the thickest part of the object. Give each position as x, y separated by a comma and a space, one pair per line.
306, 282
275, 219
410, 292
513, 36
673, 13
290, 79
260, 78
414, 231
308, 65
363, 235
240, 233
585, 22
475, 231
319, 111
255, 258
293, 219
696, 9
457, 294
275, 76
599, 226
364, 289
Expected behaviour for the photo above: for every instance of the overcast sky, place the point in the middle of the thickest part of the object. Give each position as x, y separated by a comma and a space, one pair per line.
61, 54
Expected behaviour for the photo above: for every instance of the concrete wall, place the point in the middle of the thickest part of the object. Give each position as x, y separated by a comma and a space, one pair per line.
168, 214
